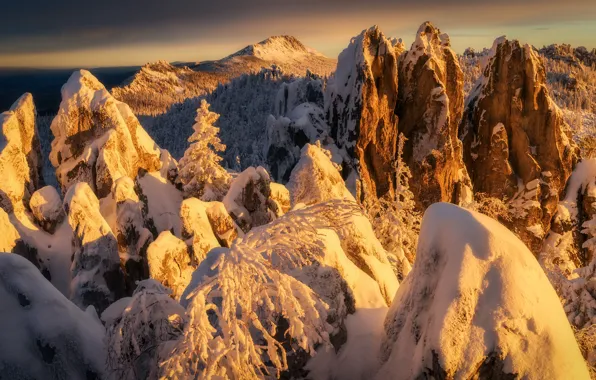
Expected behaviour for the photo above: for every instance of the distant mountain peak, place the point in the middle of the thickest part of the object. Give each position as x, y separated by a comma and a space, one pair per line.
276, 47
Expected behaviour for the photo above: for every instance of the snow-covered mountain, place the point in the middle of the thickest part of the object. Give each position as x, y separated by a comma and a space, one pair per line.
158, 85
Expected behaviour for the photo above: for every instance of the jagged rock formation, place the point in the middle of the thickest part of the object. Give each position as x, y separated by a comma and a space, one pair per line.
476, 305
517, 147
196, 228
570, 55
97, 138
20, 155
360, 102
97, 278
46, 207
170, 262
249, 200
429, 107
43, 335
316, 178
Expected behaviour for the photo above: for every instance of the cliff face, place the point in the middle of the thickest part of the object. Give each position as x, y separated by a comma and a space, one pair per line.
517, 146
97, 138
360, 103
20, 155
430, 107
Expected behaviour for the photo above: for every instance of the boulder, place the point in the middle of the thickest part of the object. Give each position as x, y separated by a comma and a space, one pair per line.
316, 178
170, 262
249, 199
196, 228
222, 224
47, 209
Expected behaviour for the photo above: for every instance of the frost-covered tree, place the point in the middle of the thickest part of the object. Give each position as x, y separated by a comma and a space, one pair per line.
394, 217
244, 316
200, 169
140, 331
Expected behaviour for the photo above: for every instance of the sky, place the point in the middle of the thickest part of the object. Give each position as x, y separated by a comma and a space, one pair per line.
74, 33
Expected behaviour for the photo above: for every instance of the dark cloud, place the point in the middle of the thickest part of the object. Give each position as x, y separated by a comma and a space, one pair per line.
136, 31
45, 25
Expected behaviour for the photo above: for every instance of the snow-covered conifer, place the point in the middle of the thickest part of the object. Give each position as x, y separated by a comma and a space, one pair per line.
200, 169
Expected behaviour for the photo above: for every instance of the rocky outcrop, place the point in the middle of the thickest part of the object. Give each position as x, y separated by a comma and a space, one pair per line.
572, 56
10, 237
196, 228
360, 102
97, 278
97, 138
316, 178
170, 263
476, 305
517, 146
249, 200
43, 335
46, 207
20, 155
430, 106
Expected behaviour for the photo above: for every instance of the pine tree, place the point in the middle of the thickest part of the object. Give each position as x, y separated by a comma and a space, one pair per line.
200, 169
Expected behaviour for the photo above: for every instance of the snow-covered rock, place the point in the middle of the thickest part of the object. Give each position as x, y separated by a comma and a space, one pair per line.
161, 203
249, 199
20, 155
139, 337
280, 195
46, 206
124, 212
476, 304
222, 224
97, 139
197, 229
10, 236
569, 254
286, 135
517, 145
430, 108
360, 102
44, 335
97, 278
170, 262
316, 178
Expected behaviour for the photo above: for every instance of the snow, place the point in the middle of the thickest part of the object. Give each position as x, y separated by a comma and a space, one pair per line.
197, 228
10, 235
316, 178
475, 290
43, 334
46, 204
114, 312
170, 262
163, 202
